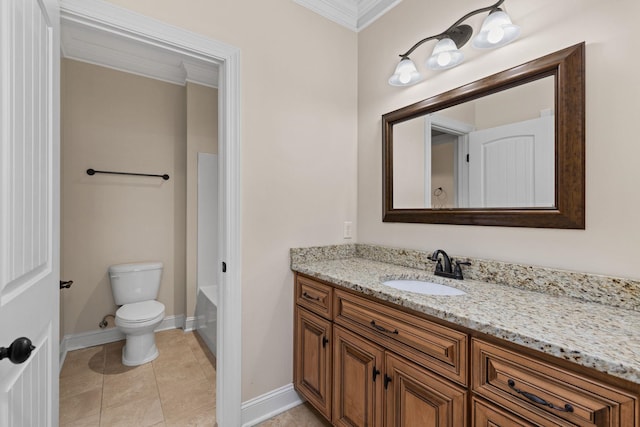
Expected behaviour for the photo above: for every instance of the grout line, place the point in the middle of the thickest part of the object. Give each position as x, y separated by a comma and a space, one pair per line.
155, 379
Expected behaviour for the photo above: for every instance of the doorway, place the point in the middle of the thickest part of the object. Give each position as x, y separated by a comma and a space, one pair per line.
113, 21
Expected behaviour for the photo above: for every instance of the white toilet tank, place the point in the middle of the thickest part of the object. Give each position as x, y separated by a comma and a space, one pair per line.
135, 282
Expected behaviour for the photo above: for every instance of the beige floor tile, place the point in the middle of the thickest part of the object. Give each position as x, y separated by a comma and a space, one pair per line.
130, 386
79, 381
113, 359
81, 405
92, 421
76, 361
199, 417
184, 370
180, 400
140, 413
170, 338
209, 371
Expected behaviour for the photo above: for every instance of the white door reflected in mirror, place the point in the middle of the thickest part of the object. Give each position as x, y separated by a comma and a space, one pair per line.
493, 152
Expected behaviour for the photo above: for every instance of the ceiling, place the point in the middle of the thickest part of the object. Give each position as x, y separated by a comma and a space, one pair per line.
353, 14
88, 44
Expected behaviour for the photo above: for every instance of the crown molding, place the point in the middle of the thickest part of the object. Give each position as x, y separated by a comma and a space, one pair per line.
352, 14
107, 49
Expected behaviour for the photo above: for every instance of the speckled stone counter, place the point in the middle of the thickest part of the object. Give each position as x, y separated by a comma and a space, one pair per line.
600, 336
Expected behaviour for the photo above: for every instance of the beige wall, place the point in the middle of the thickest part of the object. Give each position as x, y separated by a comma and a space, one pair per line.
299, 154
120, 122
609, 244
202, 137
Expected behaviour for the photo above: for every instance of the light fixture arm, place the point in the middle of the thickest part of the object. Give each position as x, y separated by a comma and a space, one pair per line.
460, 34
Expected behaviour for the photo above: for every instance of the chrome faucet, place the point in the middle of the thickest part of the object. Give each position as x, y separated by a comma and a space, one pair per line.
447, 270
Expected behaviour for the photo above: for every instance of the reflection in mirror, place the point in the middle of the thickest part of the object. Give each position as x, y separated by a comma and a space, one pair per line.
496, 151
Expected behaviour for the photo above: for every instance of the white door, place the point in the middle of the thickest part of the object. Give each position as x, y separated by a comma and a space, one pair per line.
29, 209
513, 165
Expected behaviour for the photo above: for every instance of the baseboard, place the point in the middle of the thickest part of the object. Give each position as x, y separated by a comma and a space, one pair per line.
106, 336
171, 322
190, 324
269, 405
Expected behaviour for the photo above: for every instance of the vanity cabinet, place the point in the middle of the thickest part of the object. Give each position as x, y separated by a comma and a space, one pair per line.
365, 363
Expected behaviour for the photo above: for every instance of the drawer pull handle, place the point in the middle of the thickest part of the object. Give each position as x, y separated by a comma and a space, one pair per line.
382, 329
376, 372
307, 296
538, 400
325, 340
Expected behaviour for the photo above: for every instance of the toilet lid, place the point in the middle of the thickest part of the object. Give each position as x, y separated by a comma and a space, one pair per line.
140, 311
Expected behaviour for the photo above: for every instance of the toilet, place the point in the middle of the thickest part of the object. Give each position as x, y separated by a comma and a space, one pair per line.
135, 288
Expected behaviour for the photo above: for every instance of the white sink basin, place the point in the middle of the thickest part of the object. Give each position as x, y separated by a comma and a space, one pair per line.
422, 287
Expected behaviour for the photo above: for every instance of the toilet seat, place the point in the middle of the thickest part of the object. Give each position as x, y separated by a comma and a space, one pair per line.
140, 312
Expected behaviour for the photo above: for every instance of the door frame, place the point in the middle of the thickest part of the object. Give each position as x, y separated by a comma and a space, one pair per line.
460, 129
136, 27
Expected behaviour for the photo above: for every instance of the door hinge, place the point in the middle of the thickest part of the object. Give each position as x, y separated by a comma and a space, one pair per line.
224, 267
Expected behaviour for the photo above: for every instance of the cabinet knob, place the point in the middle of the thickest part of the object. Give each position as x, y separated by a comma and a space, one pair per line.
376, 372
387, 380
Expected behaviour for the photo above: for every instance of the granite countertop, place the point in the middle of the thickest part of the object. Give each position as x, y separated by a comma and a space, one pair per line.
598, 336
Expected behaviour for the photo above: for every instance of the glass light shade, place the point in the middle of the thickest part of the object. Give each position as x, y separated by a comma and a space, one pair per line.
445, 55
496, 31
406, 74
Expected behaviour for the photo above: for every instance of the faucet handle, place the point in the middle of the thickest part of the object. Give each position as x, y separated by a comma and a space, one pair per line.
457, 272
439, 266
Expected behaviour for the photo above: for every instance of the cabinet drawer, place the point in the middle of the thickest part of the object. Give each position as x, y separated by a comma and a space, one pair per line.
487, 415
435, 347
314, 296
547, 394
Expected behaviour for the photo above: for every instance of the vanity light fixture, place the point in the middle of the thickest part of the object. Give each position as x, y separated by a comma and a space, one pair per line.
497, 30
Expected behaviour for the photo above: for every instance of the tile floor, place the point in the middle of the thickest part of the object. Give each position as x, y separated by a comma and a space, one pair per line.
176, 389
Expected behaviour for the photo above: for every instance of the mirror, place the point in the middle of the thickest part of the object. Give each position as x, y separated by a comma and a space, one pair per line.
506, 150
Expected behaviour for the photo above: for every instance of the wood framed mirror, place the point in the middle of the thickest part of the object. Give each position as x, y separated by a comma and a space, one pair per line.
506, 150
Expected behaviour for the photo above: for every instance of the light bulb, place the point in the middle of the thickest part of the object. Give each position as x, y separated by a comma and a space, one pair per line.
405, 74
445, 55
495, 35
444, 59
497, 30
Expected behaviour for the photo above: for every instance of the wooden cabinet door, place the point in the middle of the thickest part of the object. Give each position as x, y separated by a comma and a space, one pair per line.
312, 360
416, 397
357, 380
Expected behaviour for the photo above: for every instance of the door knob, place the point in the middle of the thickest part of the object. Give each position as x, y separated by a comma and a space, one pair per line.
19, 350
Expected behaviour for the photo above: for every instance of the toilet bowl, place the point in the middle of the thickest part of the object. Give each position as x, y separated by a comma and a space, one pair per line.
138, 322
135, 287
